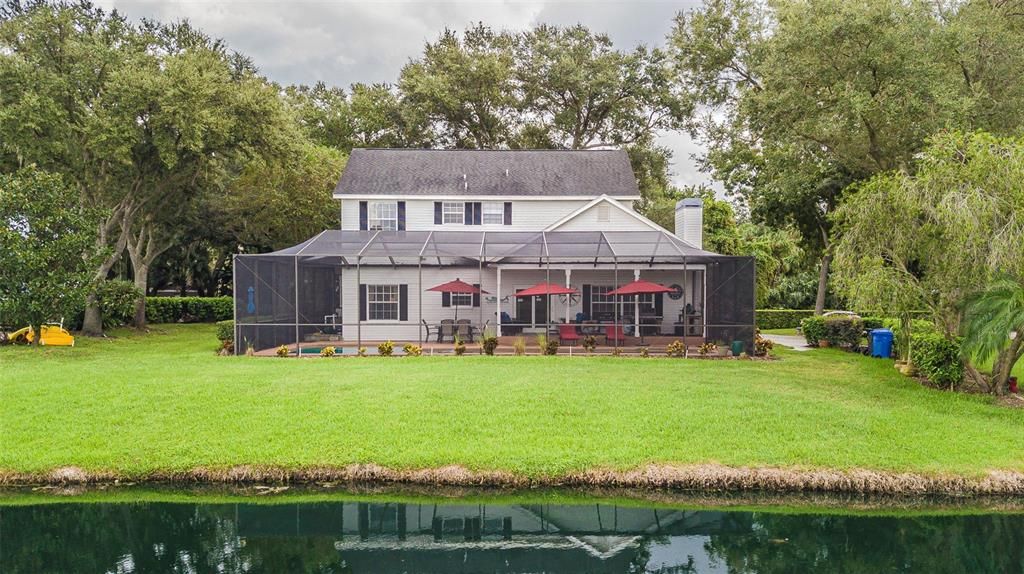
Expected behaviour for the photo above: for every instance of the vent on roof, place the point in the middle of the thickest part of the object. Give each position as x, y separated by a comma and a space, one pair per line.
604, 212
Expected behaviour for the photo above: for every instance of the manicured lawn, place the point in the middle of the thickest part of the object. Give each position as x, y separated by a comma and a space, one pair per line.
164, 401
791, 331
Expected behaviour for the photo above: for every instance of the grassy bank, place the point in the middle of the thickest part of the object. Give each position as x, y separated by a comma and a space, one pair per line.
163, 403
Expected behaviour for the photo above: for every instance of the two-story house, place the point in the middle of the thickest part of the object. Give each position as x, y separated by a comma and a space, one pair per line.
501, 221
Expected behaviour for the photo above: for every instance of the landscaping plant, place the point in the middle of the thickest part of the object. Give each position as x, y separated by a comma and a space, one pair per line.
762, 346
938, 359
460, 347
519, 345
676, 349
386, 348
327, 352
361, 352
644, 352
282, 351
843, 331
412, 350
813, 329
589, 343
551, 347
489, 342
708, 349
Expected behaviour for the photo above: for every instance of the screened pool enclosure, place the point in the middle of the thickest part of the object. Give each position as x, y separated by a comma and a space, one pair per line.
350, 289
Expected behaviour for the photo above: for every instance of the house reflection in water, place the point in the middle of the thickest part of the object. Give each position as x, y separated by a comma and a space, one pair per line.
485, 538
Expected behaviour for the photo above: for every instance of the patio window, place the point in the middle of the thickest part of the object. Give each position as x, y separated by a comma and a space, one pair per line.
382, 215
462, 299
453, 212
601, 302
494, 213
382, 302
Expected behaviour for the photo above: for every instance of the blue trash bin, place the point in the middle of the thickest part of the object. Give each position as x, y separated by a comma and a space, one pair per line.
881, 343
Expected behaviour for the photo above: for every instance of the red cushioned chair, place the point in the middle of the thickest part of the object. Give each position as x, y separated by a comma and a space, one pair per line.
567, 333
614, 333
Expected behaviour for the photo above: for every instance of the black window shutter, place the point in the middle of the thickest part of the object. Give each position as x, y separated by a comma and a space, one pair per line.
364, 216
446, 299
478, 213
467, 216
476, 296
508, 213
401, 216
362, 302
659, 304
437, 213
586, 301
403, 302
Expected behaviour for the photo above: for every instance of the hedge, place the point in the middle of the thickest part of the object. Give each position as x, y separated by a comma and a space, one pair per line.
781, 318
189, 309
938, 358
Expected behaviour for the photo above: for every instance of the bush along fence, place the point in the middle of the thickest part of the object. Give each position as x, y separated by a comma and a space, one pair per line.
189, 309
791, 318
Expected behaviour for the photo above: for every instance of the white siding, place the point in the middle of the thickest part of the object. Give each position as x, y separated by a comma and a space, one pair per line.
604, 217
527, 215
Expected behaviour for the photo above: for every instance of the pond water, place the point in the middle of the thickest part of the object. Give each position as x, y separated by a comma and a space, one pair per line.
268, 534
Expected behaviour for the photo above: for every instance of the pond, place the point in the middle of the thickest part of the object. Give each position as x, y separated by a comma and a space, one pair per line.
538, 533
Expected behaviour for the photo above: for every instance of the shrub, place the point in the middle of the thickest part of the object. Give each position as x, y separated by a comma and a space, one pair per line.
189, 309
938, 358
386, 348
117, 301
361, 352
551, 347
781, 318
589, 343
813, 329
489, 344
644, 352
412, 350
874, 322
226, 331
844, 330
542, 341
676, 349
761, 345
519, 345
282, 351
460, 347
708, 349
616, 351
327, 352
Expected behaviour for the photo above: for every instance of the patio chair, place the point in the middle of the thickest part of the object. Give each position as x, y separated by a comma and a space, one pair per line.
465, 328
567, 333
431, 331
446, 330
614, 333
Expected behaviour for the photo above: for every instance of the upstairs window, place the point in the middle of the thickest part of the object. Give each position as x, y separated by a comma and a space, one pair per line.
493, 213
453, 212
382, 302
382, 215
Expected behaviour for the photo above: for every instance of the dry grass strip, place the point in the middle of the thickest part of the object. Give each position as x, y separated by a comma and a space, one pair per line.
709, 478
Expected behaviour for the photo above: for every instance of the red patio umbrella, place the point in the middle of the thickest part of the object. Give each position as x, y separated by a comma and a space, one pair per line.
459, 287
542, 289
640, 287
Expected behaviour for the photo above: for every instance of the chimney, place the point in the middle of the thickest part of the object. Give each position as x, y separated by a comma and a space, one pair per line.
690, 221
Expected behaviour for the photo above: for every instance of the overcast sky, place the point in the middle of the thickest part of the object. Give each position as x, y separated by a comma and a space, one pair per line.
341, 42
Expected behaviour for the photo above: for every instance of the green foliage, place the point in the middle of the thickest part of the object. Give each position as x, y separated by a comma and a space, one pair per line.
843, 330
589, 343
459, 347
117, 299
990, 316
46, 242
871, 323
644, 352
361, 352
327, 352
226, 330
189, 309
282, 351
813, 329
938, 358
676, 349
519, 345
412, 350
781, 318
386, 348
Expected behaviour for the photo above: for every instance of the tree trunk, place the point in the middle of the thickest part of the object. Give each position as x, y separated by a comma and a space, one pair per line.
819, 302
141, 281
92, 323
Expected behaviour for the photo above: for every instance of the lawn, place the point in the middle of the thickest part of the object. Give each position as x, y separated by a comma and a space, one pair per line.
161, 402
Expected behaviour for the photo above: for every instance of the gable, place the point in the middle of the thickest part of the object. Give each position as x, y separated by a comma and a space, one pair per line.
604, 214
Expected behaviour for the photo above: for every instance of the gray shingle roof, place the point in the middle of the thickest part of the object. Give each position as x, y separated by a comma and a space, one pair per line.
539, 173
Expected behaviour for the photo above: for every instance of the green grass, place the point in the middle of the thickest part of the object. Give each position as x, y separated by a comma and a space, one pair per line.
163, 402
791, 331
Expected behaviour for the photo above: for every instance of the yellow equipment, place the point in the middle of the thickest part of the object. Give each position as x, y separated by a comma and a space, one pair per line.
54, 335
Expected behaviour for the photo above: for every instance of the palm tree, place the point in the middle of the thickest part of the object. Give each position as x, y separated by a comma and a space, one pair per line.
994, 329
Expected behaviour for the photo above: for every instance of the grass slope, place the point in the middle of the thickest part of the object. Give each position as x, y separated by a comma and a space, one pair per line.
164, 402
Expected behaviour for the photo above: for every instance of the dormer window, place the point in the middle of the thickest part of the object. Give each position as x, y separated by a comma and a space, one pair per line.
493, 213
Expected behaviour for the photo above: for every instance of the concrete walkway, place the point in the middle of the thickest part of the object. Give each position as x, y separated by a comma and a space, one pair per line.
795, 342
